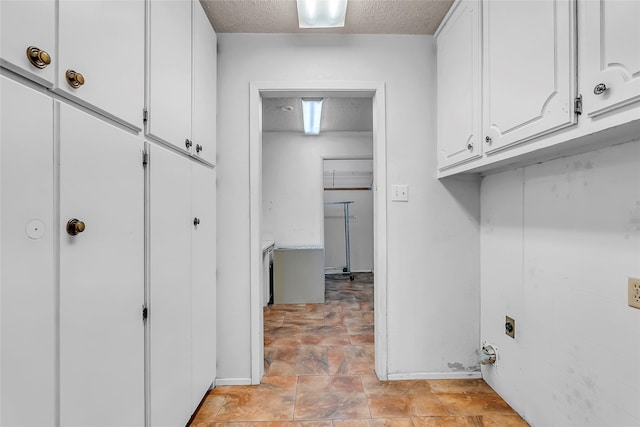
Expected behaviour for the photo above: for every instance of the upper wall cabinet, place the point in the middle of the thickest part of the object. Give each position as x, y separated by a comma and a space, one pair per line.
101, 56
609, 55
98, 60
169, 72
182, 77
27, 38
529, 70
459, 85
204, 86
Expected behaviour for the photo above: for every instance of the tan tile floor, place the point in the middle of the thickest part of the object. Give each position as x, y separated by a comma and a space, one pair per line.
319, 372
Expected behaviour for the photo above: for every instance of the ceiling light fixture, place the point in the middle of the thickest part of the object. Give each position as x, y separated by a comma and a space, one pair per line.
311, 116
321, 13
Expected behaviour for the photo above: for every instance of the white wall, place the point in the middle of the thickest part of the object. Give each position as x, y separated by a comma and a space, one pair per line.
559, 241
292, 171
433, 240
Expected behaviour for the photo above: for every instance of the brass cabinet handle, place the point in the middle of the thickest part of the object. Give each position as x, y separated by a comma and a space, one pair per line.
488, 140
74, 79
75, 226
199, 148
188, 143
470, 146
600, 88
196, 221
38, 58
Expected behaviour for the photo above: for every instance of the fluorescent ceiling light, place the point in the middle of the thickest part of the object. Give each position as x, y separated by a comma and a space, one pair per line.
311, 116
321, 13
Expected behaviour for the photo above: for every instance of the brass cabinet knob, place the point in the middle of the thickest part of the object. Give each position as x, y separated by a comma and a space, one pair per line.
488, 140
38, 58
470, 146
188, 143
74, 79
196, 221
75, 226
199, 148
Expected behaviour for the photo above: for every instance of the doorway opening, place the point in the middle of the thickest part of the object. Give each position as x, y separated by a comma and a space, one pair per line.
348, 215
259, 91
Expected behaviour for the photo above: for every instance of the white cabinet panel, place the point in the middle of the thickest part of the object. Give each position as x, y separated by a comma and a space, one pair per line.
609, 54
203, 282
101, 274
169, 73
204, 86
170, 228
24, 24
459, 86
27, 293
529, 70
104, 41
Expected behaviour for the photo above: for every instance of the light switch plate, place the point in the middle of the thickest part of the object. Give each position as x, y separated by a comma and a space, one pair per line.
399, 193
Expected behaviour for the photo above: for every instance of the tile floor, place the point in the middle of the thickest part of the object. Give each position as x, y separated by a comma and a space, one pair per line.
319, 372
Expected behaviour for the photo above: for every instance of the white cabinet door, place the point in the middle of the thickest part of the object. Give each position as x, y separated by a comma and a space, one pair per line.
204, 86
203, 282
529, 70
27, 286
104, 42
170, 228
169, 72
24, 24
459, 86
609, 55
101, 274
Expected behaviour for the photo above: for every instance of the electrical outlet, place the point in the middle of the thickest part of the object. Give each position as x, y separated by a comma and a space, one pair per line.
510, 327
634, 292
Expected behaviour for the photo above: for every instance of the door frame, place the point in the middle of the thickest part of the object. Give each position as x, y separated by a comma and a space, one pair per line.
282, 89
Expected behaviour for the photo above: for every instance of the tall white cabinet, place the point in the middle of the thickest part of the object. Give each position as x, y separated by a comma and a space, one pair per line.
170, 286
101, 269
182, 261
27, 267
107, 249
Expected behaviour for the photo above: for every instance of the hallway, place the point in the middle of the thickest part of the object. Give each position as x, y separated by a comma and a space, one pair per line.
319, 371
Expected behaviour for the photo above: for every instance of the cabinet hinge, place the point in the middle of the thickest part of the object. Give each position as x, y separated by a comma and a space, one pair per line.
144, 115
578, 105
145, 312
145, 159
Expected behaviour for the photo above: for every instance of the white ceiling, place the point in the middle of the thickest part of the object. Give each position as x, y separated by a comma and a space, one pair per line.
338, 114
363, 16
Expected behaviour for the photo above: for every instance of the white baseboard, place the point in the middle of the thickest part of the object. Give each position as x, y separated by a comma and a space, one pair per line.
435, 376
233, 381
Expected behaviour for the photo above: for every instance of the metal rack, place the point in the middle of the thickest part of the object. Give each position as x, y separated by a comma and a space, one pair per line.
347, 268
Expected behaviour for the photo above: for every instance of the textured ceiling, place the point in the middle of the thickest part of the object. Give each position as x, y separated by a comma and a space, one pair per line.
363, 16
338, 114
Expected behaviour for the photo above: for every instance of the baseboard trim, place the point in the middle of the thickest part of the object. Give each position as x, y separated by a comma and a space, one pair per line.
232, 381
435, 376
